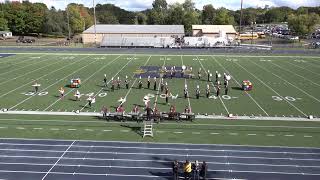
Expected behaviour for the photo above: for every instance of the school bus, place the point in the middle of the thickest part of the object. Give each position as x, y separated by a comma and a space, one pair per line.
248, 36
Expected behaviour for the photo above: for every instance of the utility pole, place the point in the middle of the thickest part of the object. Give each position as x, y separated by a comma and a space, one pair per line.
240, 16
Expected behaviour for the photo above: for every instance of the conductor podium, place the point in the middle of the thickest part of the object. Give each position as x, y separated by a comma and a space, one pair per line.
75, 83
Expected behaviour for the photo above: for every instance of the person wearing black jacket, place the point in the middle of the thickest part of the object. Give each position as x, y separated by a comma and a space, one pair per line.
175, 169
149, 113
203, 170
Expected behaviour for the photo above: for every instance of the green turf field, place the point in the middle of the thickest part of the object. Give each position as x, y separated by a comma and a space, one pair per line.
283, 86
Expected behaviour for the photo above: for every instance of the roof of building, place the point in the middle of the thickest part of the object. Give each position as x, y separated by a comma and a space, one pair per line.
214, 28
119, 28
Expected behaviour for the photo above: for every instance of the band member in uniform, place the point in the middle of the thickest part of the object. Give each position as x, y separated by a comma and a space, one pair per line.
185, 91
36, 86
198, 92
172, 111
149, 113
167, 95
208, 75
105, 80
156, 114
174, 71
113, 84
155, 83
161, 85
91, 100
208, 91
217, 76
136, 109
104, 111
77, 95
140, 83
199, 73
61, 90
218, 90
191, 73
171, 73
127, 82
118, 82
164, 71
148, 85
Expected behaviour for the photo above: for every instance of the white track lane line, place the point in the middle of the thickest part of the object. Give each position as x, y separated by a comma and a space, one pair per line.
235, 80
56, 81
104, 66
58, 160
272, 90
205, 70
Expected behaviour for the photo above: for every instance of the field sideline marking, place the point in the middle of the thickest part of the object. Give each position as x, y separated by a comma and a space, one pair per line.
142, 54
108, 82
287, 82
34, 80
164, 123
14, 58
235, 80
158, 91
205, 70
58, 160
84, 81
56, 81
185, 82
272, 90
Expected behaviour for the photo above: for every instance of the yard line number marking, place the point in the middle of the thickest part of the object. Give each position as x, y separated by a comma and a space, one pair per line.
104, 94
289, 98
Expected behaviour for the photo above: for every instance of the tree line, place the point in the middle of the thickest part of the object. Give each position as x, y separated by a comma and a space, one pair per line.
28, 18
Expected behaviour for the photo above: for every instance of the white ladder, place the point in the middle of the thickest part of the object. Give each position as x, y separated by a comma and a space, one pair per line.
147, 130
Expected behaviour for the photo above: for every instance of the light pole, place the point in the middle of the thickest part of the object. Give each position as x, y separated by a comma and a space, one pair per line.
240, 17
95, 22
252, 26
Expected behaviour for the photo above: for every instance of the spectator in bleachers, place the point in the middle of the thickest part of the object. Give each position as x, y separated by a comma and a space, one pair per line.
203, 171
175, 170
187, 170
195, 170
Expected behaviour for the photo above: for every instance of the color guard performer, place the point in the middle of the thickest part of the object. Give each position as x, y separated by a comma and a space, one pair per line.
148, 83
218, 90
199, 73
198, 92
61, 90
161, 85
155, 83
140, 83
77, 95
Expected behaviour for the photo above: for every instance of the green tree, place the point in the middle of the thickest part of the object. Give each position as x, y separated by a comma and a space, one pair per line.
141, 18
3, 22
175, 14
157, 15
208, 14
190, 17
303, 24
223, 17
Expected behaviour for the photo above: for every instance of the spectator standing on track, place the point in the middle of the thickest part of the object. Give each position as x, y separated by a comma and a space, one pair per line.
203, 170
187, 170
175, 170
195, 170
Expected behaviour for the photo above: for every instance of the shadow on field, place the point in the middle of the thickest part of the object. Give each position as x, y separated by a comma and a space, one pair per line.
135, 128
237, 88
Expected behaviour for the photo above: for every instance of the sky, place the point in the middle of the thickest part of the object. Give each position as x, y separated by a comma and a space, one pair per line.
136, 5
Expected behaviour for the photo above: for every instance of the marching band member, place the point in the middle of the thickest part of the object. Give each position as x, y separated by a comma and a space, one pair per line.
61, 90
208, 74
118, 83
161, 85
167, 95
187, 110
77, 95
199, 73
174, 71
122, 100
185, 91
140, 83
136, 109
91, 100
113, 84
155, 83
191, 73
208, 91
127, 82
105, 80
198, 92
171, 73
148, 82
217, 76
36, 86
146, 101
165, 71
226, 90
218, 90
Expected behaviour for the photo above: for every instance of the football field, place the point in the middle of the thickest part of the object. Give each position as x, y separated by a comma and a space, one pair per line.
283, 86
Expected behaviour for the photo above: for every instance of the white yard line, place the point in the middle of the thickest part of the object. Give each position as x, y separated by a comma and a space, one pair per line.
225, 107
303, 68
272, 89
235, 80
104, 66
295, 74
57, 81
125, 97
58, 160
29, 72
287, 82
108, 83
34, 63
158, 91
185, 82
